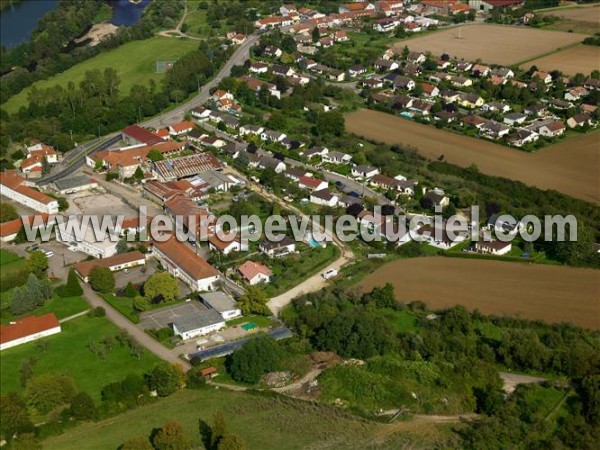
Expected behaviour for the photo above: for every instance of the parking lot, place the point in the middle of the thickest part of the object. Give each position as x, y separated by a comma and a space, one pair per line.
58, 264
162, 318
99, 204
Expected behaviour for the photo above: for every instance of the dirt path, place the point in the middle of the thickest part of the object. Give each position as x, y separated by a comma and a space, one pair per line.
512, 380
311, 375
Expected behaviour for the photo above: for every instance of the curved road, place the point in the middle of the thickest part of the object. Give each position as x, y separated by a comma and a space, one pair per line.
76, 158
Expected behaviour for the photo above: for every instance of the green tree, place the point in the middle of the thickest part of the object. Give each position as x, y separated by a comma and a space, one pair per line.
102, 279
48, 391
25, 441
316, 35
383, 297
130, 290
405, 52
83, 407
231, 442
589, 392
138, 175
155, 155
171, 437
259, 356
161, 286
137, 443
330, 123
164, 378
37, 263
7, 212
14, 416
72, 288
254, 301
122, 246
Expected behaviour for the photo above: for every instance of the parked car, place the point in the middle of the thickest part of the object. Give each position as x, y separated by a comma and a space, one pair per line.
329, 274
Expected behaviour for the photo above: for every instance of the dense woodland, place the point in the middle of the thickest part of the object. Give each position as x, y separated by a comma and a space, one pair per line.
462, 353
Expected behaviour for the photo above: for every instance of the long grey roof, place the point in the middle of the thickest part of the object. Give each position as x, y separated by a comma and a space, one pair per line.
197, 321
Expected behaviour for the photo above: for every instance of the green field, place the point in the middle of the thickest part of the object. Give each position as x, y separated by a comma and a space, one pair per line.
61, 307
263, 422
134, 62
7, 257
68, 352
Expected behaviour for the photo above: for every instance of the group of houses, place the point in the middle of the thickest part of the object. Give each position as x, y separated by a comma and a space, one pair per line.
447, 92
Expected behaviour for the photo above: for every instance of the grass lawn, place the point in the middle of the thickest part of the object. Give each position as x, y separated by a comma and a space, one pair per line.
124, 305
133, 61
262, 422
403, 321
68, 352
61, 307
7, 257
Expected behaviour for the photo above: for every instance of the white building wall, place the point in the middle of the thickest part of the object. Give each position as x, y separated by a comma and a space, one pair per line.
50, 208
31, 337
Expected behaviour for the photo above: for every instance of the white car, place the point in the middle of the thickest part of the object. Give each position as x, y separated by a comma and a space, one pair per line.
329, 274
48, 254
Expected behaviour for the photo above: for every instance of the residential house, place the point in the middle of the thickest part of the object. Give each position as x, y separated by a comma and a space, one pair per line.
459, 81
282, 70
515, 118
312, 184
416, 57
488, 5
363, 171
521, 137
592, 84
357, 70
422, 107
180, 128
470, 100
553, 129
579, 120
259, 67
324, 197
251, 129
430, 90
576, 93
402, 82
538, 110
314, 151
437, 198
474, 121
495, 106
40, 151
480, 70
337, 158
494, 130
385, 64
373, 83
503, 72
254, 272
492, 247
226, 243
545, 77
272, 136
273, 249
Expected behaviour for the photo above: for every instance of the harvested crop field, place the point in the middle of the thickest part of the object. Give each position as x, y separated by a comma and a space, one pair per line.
571, 166
589, 13
579, 59
529, 291
492, 43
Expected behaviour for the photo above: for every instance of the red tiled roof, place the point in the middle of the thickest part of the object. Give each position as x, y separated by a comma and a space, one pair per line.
221, 245
182, 126
141, 134
252, 268
310, 182
185, 259
13, 226
27, 326
12, 181
85, 267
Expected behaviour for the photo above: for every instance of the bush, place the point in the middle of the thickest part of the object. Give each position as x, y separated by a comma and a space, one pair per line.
102, 279
98, 311
72, 288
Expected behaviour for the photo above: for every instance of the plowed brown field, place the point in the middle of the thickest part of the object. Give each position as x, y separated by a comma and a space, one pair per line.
492, 43
529, 291
580, 59
571, 166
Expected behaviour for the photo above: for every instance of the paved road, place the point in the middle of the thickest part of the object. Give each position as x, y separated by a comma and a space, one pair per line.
75, 159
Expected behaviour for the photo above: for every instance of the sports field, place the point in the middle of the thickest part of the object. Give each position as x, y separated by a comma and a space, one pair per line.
571, 166
134, 63
492, 43
528, 291
579, 59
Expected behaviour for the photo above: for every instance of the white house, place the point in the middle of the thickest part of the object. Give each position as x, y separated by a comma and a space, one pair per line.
222, 303
362, 171
312, 184
337, 158
254, 272
226, 245
278, 249
28, 329
492, 247
251, 129
198, 324
182, 262
324, 198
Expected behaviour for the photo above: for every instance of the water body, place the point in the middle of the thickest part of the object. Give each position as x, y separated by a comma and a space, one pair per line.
18, 22
127, 13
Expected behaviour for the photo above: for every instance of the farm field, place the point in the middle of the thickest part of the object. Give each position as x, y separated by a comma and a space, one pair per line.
134, 63
590, 13
579, 59
528, 291
493, 43
68, 352
570, 166
262, 422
